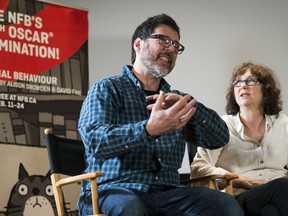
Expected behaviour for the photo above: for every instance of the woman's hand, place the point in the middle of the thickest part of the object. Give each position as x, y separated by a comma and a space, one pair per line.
247, 183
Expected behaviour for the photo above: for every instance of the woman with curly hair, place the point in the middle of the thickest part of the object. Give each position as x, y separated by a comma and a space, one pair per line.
258, 146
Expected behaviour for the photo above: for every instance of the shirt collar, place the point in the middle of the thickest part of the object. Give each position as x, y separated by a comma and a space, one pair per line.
240, 127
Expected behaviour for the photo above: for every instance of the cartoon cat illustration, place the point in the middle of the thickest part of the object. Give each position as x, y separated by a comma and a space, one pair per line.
31, 196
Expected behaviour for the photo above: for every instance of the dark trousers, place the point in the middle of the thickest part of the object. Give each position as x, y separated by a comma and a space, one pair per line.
270, 199
166, 201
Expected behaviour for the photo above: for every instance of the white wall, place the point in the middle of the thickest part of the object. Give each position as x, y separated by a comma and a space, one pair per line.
218, 35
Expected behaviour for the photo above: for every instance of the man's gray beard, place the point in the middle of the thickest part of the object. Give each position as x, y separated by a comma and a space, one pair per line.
151, 66
156, 72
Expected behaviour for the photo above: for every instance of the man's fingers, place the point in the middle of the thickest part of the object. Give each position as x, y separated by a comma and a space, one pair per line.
159, 101
185, 118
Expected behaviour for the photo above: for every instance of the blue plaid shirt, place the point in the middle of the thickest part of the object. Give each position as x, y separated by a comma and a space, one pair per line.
112, 127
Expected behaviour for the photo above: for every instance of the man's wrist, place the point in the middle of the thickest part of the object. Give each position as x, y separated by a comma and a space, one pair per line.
148, 135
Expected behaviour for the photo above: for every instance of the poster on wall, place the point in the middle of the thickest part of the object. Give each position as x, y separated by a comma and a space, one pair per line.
43, 82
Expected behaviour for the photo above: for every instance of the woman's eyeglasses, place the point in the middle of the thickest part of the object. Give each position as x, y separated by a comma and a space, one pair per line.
250, 81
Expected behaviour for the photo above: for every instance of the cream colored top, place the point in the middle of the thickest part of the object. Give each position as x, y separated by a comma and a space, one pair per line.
245, 156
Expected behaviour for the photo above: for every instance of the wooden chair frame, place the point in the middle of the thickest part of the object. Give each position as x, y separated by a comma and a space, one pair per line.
59, 179
210, 181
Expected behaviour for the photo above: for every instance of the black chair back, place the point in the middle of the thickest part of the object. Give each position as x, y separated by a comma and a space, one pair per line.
66, 156
192, 150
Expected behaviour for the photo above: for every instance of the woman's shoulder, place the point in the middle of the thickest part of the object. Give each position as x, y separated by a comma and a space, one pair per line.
230, 118
281, 117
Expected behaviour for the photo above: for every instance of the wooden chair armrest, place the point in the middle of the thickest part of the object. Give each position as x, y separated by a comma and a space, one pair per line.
77, 178
230, 176
227, 177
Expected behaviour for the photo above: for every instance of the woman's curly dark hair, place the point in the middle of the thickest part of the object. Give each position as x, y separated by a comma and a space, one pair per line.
271, 103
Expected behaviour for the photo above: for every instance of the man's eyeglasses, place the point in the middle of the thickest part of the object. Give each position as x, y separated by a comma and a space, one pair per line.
166, 42
250, 81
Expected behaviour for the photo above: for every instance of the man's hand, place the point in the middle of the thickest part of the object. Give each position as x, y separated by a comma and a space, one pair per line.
170, 112
169, 100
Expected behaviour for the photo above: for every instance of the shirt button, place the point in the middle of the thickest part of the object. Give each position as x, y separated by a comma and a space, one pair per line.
126, 146
156, 177
261, 161
204, 121
260, 174
157, 140
159, 159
